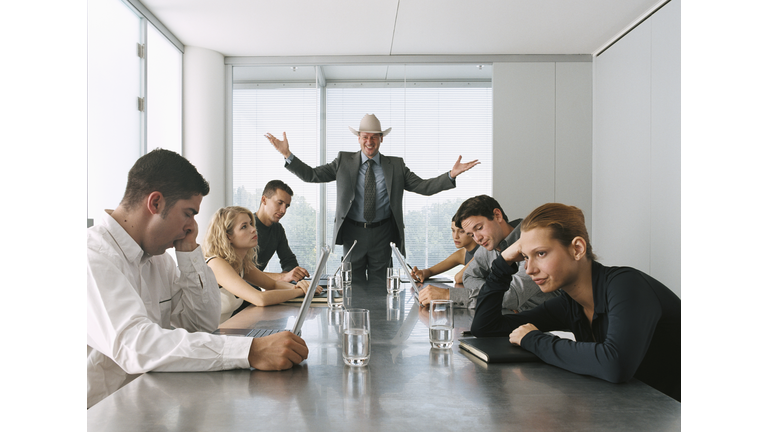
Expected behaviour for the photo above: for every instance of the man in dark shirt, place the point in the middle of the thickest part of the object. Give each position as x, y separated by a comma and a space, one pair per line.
275, 201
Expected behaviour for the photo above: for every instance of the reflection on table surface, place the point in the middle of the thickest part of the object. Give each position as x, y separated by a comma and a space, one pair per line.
406, 385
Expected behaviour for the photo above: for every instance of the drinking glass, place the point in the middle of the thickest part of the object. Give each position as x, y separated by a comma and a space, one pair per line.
393, 280
357, 337
441, 324
394, 307
347, 296
346, 274
335, 293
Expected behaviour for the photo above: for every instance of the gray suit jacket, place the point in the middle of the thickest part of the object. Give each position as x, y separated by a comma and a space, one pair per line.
344, 171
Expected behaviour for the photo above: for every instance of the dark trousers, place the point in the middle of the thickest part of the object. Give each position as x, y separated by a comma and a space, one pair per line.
372, 255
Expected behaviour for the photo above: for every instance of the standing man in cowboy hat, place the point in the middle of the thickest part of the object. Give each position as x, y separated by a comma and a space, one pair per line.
369, 203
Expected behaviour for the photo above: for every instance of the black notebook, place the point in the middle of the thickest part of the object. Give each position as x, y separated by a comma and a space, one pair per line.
497, 350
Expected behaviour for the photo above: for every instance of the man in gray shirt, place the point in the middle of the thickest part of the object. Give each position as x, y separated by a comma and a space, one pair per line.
483, 218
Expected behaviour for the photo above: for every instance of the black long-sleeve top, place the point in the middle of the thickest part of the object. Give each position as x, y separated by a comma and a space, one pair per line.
635, 329
272, 239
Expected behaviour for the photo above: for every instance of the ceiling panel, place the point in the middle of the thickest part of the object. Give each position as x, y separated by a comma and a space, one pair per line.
398, 27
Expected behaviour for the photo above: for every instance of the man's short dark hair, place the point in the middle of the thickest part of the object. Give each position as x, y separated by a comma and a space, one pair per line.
272, 187
481, 205
166, 172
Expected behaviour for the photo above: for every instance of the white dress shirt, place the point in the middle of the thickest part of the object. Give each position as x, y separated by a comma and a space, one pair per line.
142, 310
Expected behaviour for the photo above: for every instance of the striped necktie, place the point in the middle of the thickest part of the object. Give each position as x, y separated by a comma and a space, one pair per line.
369, 206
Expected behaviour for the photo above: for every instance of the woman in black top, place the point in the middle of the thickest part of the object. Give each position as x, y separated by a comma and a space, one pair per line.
626, 323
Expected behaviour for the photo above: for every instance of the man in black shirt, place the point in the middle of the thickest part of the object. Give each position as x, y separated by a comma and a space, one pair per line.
275, 201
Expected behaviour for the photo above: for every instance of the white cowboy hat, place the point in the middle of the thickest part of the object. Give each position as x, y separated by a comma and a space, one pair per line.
370, 124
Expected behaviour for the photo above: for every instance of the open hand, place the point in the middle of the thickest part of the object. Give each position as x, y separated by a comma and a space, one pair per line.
459, 167
281, 146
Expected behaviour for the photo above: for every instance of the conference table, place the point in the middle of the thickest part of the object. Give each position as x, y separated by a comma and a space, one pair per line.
407, 385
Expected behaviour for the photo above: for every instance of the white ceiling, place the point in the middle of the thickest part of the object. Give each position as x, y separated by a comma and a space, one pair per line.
398, 27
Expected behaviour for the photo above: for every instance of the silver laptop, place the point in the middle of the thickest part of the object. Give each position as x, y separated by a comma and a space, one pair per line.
261, 332
405, 266
325, 276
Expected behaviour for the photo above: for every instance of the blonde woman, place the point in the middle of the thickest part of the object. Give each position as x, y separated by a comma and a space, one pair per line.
229, 247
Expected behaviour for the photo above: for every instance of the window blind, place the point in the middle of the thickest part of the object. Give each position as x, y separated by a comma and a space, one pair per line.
293, 110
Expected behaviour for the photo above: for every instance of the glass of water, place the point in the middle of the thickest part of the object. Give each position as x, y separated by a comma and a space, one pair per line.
393, 280
441, 324
346, 274
357, 337
334, 292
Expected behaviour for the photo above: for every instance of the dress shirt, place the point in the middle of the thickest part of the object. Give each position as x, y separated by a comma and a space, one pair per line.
142, 311
357, 211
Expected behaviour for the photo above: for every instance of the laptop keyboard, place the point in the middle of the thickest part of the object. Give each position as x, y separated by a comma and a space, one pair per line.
256, 333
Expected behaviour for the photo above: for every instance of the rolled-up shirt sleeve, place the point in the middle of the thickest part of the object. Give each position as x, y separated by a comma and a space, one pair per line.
195, 295
476, 271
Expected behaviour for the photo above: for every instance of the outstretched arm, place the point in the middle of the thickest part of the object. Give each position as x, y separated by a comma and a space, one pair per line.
232, 282
452, 261
280, 146
459, 167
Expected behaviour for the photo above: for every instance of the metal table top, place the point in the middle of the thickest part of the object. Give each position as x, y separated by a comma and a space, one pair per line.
407, 385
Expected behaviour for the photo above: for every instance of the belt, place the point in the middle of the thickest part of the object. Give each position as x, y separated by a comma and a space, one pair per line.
368, 224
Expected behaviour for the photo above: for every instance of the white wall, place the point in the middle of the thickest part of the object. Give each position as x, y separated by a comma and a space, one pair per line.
636, 152
204, 126
114, 121
542, 136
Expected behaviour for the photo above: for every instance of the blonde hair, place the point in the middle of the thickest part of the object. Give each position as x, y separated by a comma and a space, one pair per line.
564, 222
217, 244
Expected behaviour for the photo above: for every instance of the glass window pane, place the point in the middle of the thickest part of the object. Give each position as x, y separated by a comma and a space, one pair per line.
292, 110
164, 62
113, 91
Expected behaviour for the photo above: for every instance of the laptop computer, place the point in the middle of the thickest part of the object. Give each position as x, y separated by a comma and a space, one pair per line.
405, 266
261, 332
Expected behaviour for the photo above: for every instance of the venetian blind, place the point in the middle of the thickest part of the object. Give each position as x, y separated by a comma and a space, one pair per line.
293, 110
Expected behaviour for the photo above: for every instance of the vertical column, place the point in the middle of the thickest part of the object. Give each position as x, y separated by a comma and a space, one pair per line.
204, 125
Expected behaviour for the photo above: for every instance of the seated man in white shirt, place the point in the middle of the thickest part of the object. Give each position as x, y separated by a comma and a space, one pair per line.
144, 312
